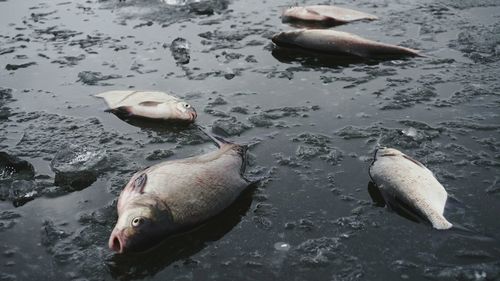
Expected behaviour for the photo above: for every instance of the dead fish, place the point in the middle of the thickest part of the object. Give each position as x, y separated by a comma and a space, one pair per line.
406, 183
154, 105
338, 42
324, 14
176, 195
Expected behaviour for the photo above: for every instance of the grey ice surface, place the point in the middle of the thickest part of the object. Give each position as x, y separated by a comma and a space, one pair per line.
312, 123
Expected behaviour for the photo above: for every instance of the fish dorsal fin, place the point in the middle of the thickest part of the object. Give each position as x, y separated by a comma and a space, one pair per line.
413, 160
406, 157
309, 10
150, 103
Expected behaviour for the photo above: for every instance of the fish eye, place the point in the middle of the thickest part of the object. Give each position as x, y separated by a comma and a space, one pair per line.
137, 221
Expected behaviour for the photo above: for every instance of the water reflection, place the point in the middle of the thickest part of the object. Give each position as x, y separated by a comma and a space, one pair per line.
314, 59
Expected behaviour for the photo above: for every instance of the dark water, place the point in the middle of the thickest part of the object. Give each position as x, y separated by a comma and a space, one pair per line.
313, 123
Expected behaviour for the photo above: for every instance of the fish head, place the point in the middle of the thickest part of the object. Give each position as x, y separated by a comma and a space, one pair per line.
286, 38
185, 111
386, 151
302, 13
139, 227
295, 12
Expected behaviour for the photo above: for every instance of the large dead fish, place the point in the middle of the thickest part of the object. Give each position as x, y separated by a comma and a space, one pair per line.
154, 105
338, 42
408, 184
324, 15
175, 195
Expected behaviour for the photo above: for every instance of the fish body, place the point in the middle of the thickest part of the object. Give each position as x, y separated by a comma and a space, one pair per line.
149, 104
324, 14
175, 195
402, 179
338, 42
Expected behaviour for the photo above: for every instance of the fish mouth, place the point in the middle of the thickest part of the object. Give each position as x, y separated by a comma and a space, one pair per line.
286, 38
116, 242
192, 115
276, 38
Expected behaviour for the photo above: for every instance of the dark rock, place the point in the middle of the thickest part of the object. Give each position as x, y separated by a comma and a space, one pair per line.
315, 145
17, 66
159, 154
494, 187
409, 97
77, 167
93, 78
218, 101
50, 235
214, 112
5, 113
21, 192
239, 109
69, 60
180, 50
261, 120
480, 271
8, 219
229, 127
12, 167
207, 7
319, 252
8, 50
5, 94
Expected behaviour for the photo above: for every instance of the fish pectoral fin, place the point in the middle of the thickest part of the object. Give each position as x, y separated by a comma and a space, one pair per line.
150, 103
121, 110
405, 210
376, 194
138, 184
359, 52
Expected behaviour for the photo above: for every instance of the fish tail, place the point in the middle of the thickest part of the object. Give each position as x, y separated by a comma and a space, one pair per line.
440, 222
241, 149
219, 141
113, 98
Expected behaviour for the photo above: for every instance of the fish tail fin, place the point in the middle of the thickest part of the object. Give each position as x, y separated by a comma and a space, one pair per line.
241, 149
219, 141
440, 222
112, 98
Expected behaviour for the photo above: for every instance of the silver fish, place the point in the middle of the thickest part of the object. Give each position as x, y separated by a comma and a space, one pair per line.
404, 181
324, 14
338, 42
176, 195
154, 105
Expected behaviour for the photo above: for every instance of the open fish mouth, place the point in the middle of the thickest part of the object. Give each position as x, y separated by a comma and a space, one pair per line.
192, 115
116, 242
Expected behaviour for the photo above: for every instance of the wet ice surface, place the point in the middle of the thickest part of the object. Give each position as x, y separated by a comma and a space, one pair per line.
312, 123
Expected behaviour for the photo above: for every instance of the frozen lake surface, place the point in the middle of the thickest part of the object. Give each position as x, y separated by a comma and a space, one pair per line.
313, 123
